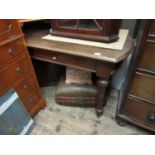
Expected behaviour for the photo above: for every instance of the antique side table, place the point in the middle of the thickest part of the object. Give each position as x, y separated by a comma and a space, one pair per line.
102, 61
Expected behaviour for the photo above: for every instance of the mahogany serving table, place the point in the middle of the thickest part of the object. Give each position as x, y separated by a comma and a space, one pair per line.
80, 56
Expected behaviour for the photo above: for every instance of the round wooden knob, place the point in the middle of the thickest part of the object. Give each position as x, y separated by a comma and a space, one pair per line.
18, 70
10, 26
11, 51
25, 86
31, 100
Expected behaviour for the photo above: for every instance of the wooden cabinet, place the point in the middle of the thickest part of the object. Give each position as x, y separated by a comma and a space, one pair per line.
16, 69
137, 104
104, 30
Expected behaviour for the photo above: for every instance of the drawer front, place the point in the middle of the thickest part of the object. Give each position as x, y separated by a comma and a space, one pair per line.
10, 51
25, 87
139, 111
143, 87
14, 72
64, 59
8, 28
32, 99
152, 28
147, 60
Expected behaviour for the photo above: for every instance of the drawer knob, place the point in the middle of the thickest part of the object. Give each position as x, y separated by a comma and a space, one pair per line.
18, 70
54, 58
151, 117
25, 86
10, 26
11, 51
31, 100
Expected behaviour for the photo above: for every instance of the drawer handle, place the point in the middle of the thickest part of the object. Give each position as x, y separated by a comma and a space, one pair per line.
54, 58
11, 51
18, 70
31, 100
10, 26
7, 31
151, 117
25, 86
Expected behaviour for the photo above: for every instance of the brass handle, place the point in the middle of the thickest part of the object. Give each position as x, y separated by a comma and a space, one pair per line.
11, 51
25, 86
19, 70
151, 117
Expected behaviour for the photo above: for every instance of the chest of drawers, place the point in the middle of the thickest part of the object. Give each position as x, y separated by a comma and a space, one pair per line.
138, 103
16, 69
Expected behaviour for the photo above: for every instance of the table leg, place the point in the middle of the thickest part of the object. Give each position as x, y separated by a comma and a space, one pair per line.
101, 98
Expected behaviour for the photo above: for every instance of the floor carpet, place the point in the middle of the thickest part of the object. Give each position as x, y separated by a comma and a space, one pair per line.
55, 119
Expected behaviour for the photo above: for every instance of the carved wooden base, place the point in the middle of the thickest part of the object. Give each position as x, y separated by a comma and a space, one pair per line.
102, 87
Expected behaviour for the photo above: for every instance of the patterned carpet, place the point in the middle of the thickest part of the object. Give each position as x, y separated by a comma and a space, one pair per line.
62, 120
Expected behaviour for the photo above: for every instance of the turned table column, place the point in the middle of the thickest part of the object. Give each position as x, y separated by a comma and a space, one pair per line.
104, 71
101, 97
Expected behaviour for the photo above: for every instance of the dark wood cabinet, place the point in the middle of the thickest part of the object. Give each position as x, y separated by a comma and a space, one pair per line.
137, 102
104, 30
16, 69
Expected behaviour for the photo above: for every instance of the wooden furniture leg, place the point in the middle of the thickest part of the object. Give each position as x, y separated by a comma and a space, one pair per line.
102, 87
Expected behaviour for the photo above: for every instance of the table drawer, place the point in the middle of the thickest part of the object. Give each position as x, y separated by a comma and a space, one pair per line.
32, 99
25, 87
14, 72
10, 51
139, 111
64, 59
146, 62
143, 87
8, 28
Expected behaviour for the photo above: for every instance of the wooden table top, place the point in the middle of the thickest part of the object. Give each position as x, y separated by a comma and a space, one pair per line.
34, 40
